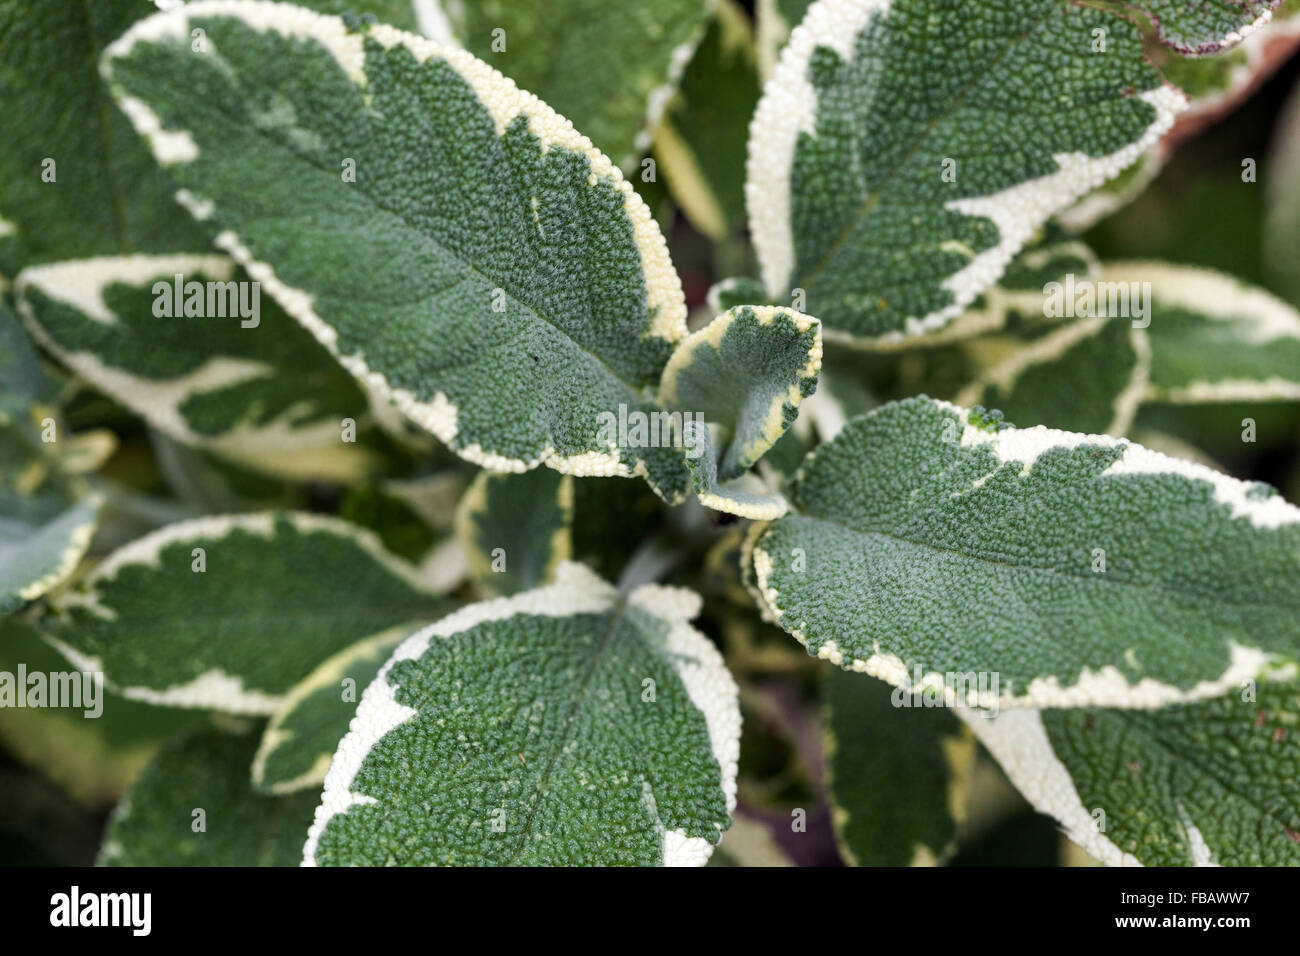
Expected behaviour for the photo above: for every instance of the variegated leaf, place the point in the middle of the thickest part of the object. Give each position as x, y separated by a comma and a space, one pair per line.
700, 143
893, 202
189, 344
934, 544
303, 733
1209, 783
230, 613
744, 375
516, 529
455, 242
609, 67
585, 728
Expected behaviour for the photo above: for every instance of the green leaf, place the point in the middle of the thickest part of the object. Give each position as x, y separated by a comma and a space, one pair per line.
488, 269
201, 358
158, 822
584, 728
1166, 333
899, 773
1087, 376
1282, 218
1207, 26
1214, 339
304, 732
905, 150
609, 67
1205, 783
516, 529
934, 544
744, 375
104, 194
42, 537
92, 758
700, 143
230, 613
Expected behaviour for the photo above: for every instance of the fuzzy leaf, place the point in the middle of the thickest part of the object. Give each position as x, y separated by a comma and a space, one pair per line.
277, 594
899, 775
256, 388
516, 529
609, 67
487, 269
304, 732
1194, 784
1079, 569
584, 728
156, 823
1206, 26
744, 375
893, 201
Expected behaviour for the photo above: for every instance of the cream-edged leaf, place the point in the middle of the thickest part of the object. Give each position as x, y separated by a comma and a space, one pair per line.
700, 143
1201, 784
451, 239
230, 613
905, 150
932, 544
584, 728
609, 67
515, 529
305, 730
190, 344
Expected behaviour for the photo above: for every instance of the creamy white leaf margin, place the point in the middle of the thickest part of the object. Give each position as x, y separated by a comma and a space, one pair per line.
1106, 686
1258, 317
214, 689
788, 108
576, 590
1051, 348
74, 527
504, 101
329, 673
278, 446
1018, 741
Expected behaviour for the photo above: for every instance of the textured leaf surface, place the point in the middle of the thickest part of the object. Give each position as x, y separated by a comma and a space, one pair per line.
488, 269
259, 389
1194, 784
155, 824
874, 100
553, 749
931, 542
899, 775
700, 144
108, 196
304, 732
745, 373
1087, 376
516, 529
1205, 26
279, 593
609, 67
